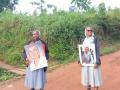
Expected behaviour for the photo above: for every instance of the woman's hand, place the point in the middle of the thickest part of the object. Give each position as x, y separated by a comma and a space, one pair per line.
79, 63
96, 66
27, 62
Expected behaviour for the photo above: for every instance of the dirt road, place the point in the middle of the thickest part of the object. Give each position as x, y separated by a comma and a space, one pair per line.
68, 77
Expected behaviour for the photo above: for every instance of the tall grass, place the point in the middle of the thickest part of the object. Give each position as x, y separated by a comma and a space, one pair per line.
62, 32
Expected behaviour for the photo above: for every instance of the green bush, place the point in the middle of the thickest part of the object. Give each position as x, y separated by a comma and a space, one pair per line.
62, 32
6, 75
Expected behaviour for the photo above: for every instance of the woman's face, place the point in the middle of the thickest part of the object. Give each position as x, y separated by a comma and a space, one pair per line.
35, 35
89, 31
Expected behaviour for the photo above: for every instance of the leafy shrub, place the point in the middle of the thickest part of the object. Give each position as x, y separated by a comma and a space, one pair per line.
62, 32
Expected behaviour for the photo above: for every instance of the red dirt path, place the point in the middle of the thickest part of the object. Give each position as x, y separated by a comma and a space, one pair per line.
68, 77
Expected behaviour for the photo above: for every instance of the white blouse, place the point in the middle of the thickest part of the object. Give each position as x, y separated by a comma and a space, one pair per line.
88, 41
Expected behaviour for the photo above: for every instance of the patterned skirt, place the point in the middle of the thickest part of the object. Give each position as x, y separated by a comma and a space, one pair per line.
91, 76
35, 79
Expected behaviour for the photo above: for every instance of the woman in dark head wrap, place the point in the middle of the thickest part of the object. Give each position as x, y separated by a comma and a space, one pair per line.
35, 79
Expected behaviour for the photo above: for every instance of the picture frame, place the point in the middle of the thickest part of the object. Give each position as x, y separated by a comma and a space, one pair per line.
36, 55
87, 55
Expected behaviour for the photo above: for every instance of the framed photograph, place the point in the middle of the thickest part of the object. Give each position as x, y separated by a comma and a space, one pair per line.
87, 55
36, 55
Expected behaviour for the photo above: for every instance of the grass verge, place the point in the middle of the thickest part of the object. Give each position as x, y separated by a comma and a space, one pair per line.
110, 48
6, 75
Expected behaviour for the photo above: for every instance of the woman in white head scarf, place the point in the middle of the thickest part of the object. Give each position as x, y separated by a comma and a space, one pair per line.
91, 75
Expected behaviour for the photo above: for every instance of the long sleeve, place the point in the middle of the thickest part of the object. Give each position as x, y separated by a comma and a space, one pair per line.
24, 55
46, 50
97, 48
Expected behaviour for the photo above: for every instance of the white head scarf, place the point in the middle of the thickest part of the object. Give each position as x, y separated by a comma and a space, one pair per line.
86, 31
88, 40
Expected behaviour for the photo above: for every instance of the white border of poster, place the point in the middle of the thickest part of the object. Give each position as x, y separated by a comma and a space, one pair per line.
37, 51
81, 50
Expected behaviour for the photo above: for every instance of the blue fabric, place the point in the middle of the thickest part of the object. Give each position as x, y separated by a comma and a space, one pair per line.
35, 79
91, 76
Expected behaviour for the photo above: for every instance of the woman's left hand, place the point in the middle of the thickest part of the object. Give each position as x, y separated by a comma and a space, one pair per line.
95, 66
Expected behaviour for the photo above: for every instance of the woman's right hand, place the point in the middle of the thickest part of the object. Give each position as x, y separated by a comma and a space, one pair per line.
79, 63
96, 66
27, 62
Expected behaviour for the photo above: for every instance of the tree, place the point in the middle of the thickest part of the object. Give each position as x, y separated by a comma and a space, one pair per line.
103, 22
52, 7
102, 8
40, 5
82, 4
72, 9
8, 4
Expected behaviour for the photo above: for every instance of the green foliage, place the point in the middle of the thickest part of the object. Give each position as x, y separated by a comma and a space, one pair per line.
7, 4
102, 8
82, 4
40, 5
62, 32
109, 47
5, 75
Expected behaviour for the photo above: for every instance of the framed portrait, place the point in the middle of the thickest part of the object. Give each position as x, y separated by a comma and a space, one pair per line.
87, 55
36, 55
